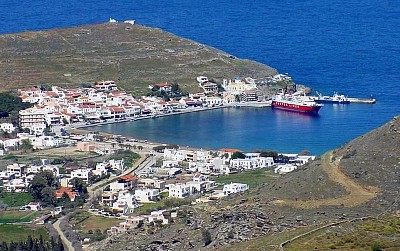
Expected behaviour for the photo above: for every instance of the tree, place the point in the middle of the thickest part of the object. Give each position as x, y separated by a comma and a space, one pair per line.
47, 196
39, 182
26, 145
10, 105
175, 88
238, 155
272, 154
36, 186
49, 177
78, 185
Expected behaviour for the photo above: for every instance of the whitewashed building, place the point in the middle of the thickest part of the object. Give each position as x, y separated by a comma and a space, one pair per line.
179, 191
7, 127
147, 195
234, 188
82, 173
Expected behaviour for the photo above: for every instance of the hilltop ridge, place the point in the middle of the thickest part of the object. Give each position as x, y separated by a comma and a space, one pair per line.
132, 55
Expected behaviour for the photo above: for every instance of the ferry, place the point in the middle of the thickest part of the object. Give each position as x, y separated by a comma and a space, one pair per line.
336, 99
295, 103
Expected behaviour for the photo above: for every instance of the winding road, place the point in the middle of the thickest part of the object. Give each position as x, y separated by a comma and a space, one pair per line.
356, 193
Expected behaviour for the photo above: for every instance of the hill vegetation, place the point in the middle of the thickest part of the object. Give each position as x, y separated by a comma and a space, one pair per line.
132, 55
351, 191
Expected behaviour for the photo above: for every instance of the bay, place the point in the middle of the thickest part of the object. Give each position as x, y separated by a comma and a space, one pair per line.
347, 46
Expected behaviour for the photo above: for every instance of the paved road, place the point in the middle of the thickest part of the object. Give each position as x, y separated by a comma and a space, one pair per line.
66, 242
95, 189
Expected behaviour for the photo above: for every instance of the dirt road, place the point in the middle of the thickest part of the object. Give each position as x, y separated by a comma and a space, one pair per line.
357, 194
66, 242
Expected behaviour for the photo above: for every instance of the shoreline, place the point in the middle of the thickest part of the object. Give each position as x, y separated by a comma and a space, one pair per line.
148, 145
154, 116
160, 115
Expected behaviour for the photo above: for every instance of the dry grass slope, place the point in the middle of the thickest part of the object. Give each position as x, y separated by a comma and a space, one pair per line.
132, 55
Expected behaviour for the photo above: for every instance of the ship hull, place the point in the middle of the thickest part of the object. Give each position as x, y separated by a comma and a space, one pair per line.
295, 107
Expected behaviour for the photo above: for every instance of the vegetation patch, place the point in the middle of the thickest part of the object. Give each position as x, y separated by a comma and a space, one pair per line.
373, 234
17, 216
165, 203
128, 156
17, 233
15, 199
93, 226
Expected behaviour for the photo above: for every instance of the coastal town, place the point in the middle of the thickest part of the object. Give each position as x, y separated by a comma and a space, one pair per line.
135, 189
121, 135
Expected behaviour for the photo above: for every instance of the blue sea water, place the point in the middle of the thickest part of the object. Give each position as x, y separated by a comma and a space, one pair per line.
348, 46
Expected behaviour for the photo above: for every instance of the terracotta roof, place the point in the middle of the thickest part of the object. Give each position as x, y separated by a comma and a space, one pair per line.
229, 150
163, 85
59, 192
128, 177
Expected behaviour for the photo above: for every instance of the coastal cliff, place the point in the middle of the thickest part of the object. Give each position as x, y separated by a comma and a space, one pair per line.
132, 55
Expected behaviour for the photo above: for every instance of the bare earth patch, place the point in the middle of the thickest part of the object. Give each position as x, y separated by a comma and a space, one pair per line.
357, 194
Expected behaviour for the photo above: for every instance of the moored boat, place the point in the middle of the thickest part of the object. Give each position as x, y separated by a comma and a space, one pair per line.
295, 103
336, 99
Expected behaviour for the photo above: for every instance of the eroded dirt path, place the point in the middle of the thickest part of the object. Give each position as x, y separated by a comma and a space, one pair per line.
357, 194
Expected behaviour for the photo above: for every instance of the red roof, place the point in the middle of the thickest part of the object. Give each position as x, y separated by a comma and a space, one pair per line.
128, 177
59, 192
229, 150
163, 85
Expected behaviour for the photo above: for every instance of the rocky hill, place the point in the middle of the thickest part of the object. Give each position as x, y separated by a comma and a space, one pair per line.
360, 179
132, 55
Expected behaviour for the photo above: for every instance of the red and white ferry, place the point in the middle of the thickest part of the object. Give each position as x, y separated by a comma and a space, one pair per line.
295, 103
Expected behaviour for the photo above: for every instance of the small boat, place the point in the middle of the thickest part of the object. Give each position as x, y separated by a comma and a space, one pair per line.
336, 99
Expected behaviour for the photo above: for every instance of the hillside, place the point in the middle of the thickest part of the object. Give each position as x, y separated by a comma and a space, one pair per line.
355, 186
132, 55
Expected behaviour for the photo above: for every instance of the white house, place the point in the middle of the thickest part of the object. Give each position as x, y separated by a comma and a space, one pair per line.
286, 168
82, 173
126, 203
242, 164
42, 142
118, 186
213, 101
179, 191
147, 195
35, 206
263, 162
16, 169
170, 163
157, 216
9, 144
101, 168
7, 127
117, 164
234, 188
16, 185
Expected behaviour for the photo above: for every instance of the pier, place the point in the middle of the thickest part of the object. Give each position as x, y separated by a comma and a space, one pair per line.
362, 100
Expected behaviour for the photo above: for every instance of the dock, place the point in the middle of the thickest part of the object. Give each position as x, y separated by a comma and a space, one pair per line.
362, 100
